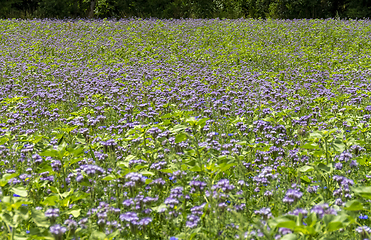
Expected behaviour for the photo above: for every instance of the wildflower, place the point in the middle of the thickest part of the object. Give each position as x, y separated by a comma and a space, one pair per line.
58, 231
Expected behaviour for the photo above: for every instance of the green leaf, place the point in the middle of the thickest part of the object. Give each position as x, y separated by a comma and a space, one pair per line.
17, 204
96, 235
311, 219
306, 230
113, 235
310, 146
62, 147
319, 153
192, 121
339, 146
50, 201
281, 222
50, 152
181, 236
334, 226
225, 167
342, 218
306, 168
138, 167
19, 237
178, 128
166, 171
180, 137
23, 212
306, 179
125, 163
78, 196
122, 164
195, 169
328, 218
148, 181
287, 224
61, 138
39, 218
354, 205
147, 173
194, 232
130, 157
54, 189
202, 122
290, 236
10, 176
45, 167
325, 168
167, 115
77, 151
242, 143
315, 135
21, 191
75, 213
8, 219
3, 140
364, 192
72, 161
109, 177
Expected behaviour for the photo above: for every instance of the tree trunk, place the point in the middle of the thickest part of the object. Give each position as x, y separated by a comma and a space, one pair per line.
92, 6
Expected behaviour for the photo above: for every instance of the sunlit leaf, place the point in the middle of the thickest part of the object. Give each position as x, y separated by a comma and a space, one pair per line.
354, 205
21, 191
39, 219
180, 137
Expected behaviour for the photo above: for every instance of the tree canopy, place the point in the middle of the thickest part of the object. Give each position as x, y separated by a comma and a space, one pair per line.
284, 9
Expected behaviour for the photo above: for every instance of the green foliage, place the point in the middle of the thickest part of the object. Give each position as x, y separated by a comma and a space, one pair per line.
306, 161
287, 9
7, 8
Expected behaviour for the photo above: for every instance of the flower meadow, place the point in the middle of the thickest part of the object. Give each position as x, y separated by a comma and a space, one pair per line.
185, 129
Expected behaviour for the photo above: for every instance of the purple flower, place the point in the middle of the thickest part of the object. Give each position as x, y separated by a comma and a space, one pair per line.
292, 195
312, 189
285, 231
319, 209
264, 212
193, 221
130, 217
339, 202
322, 209
56, 164
364, 231
144, 221
92, 170
338, 166
198, 185
128, 202
71, 224
171, 202
52, 213
298, 211
223, 185
353, 164
57, 230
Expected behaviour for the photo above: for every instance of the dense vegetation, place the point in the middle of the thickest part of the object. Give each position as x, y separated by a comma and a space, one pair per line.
189, 129
284, 9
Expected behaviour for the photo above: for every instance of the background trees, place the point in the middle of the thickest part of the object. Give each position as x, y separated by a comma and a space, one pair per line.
287, 9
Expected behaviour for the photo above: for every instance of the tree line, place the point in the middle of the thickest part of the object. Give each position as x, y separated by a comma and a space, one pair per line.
283, 9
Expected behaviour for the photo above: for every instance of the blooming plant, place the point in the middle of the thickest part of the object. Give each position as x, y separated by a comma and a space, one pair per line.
185, 129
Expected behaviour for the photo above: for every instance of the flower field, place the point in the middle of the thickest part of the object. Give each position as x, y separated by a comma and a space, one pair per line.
185, 129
